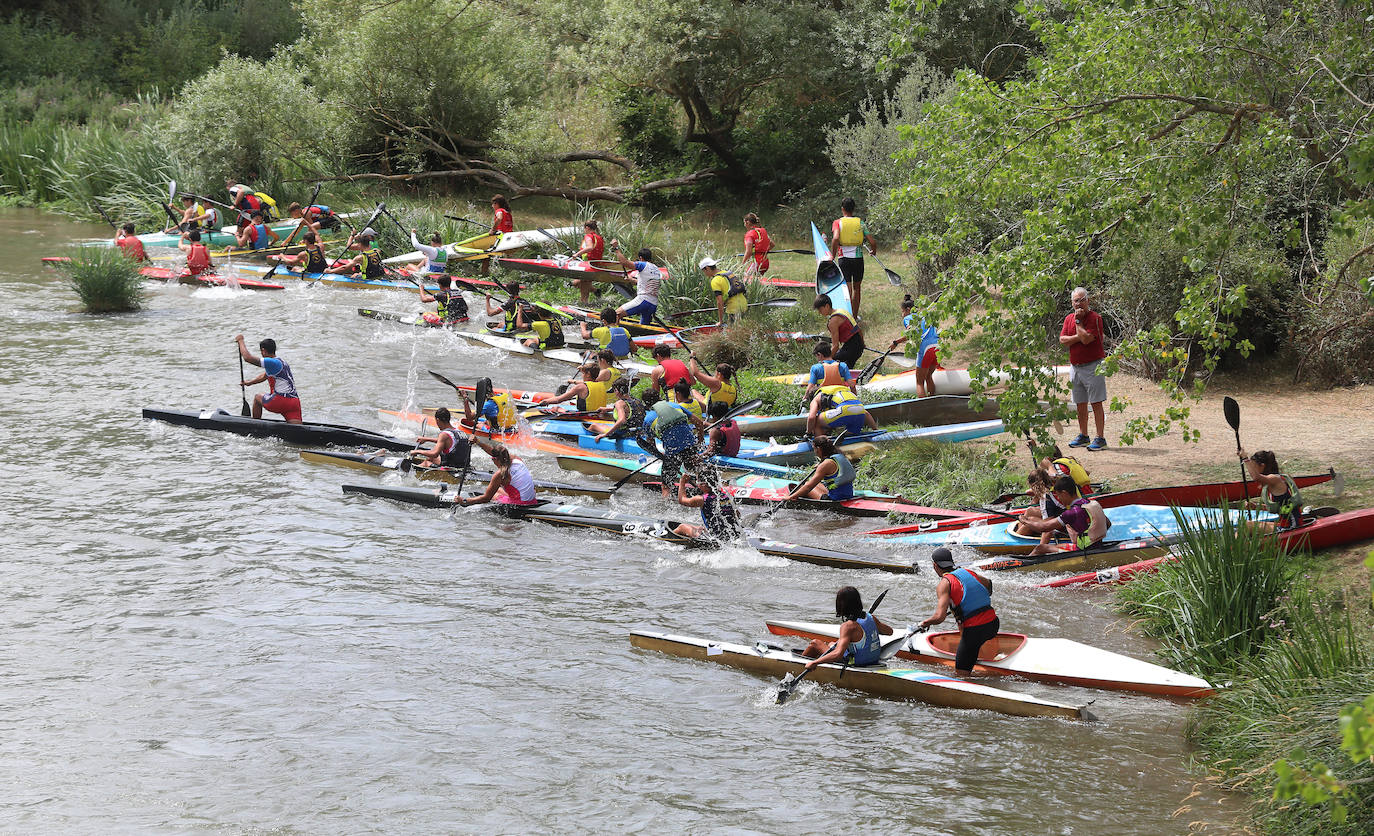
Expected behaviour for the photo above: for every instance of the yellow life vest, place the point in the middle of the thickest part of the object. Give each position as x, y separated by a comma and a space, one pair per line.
727, 394
692, 406
851, 231
596, 395
269, 204
616, 374
506, 419
839, 394
1080, 476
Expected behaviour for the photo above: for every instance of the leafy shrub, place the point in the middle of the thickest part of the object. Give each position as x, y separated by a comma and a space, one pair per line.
105, 280
938, 474
1333, 336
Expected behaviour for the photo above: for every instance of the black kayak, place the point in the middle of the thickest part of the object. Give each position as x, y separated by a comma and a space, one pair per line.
310, 434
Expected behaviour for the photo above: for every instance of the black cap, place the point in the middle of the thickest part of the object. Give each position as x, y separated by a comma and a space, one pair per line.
942, 558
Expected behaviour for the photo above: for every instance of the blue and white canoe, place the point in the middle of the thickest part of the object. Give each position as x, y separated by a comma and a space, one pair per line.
355, 281
829, 281
587, 440
801, 453
1144, 523
931, 411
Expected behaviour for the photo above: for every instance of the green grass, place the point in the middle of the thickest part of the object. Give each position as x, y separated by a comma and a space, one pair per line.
938, 474
105, 280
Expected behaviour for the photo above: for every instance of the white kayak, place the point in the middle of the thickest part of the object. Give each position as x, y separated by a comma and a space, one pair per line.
947, 381
1062, 661
562, 355
507, 242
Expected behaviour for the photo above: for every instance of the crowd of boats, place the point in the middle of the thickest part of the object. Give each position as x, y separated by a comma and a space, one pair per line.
756, 469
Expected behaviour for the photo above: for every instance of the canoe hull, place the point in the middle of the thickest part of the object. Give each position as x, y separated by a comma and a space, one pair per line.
934, 411
307, 434
387, 464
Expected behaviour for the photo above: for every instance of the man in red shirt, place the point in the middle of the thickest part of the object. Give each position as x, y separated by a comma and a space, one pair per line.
1082, 336
127, 241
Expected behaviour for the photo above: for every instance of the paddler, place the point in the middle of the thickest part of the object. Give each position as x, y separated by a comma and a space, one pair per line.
368, 261
927, 350
453, 308
509, 310
246, 202
838, 408
497, 411
968, 595
590, 394
629, 412
667, 371
436, 257
282, 397
512, 479
676, 428
721, 387
1083, 519
502, 222
682, 396
548, 333
719, 519
311, 258
197, 254
647, 276
189, 212
731, 299
858, 642
606, 371
609, 334
833, 477
724, 437
315, 216
845, 334
1040, 486
257, 235
1057, 464
451, 448
848, 234
757, 245
127, 241
826, 371
1278, 492
593, 249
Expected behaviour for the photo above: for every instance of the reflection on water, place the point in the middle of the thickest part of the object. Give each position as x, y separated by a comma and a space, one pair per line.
203, 632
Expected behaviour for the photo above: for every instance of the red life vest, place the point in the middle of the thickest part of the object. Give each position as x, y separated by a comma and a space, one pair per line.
132, 247
198, 259
673, 371
504, 222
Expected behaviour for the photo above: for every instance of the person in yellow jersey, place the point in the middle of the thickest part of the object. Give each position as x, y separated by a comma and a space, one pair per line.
1057, 464
836, 408
627, 410
682, 396
188, 213
610, 334
848, 235
731, 299
591, 394
548, 334
721, 387
497, 411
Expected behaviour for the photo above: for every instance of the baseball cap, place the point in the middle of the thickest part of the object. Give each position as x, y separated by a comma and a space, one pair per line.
706, 262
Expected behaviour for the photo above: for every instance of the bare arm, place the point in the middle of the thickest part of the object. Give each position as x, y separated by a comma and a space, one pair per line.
941, 603
248, 356
824, 469
837, 650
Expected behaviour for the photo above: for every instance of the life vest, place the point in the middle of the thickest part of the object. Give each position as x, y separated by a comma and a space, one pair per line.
615, 339
868, 650
315, 262
257, 236
265, 200
762, 244
1078, 521
132, 247
457, 453
1286, 506
1069, 466
316, 211
719, 517
594, 245
370, 264
831, 374
851, 231
847, 328
596, 396
504, 222
732, 434
840, 395
198, 259
506, 419
726, 394
211, 220
616, 374
692, 406
283, 382
438, 264
673, 371
637, 412
736, 285
248, 202
549, 334
843, 477
452, 306
668, 414
968, 597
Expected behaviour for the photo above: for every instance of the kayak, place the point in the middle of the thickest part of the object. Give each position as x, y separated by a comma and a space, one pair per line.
933, 411
374, 463
594, 318
1211, 493
779, 337
947, 381
829, 281
413, 320
1061, 661
878, 680
309, 434
486, 245
586, 439
800, 453
211, 238
563, 355
1319, 533
571, 268
1117, 553
183, 276
354, 282
618, 469
1129, 522
825, 557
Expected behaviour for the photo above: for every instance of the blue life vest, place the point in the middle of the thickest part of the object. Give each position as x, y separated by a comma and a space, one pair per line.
976, 597
869, 650
279, 378
261, 240
841, 484
619, 344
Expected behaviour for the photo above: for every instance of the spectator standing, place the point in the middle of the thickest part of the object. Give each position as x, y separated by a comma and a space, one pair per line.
1082, 336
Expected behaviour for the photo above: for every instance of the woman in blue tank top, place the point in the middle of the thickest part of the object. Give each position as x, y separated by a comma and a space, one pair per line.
860, 639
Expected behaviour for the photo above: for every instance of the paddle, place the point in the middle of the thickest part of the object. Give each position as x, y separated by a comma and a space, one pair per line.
770, 252
464, 220
779, 302
892, 278
167, 207
771, 511
381, 207
790, 682
739, 409
299, 227
105, 216
246, 411
873, 366
241, 213
559, 241
1232, 411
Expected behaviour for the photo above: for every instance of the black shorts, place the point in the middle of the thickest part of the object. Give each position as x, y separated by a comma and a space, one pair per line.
971, 640
851, 352
852, 269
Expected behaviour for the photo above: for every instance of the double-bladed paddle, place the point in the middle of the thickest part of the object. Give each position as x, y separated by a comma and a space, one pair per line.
167, 207
873, 366
892, 278
1231, 409
105, 216
739, 409
464, 220
770, 252
790, 682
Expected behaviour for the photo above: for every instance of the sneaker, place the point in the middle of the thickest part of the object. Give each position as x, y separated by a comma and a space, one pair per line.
1099, 443
1080, 441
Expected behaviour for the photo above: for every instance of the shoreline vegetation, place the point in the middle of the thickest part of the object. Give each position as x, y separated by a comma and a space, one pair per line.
1223, 221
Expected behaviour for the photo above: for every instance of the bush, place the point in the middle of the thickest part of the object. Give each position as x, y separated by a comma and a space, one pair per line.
939, 474
105, 280
1335, 343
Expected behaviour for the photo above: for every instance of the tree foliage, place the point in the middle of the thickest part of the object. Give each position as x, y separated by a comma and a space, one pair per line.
1208, 123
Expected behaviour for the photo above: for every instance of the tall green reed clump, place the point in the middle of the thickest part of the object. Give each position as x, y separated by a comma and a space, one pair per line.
1210, 606
105, 280
943, 475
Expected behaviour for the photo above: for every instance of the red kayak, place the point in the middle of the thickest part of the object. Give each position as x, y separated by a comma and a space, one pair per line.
1320, 533
184, 276
1192, 496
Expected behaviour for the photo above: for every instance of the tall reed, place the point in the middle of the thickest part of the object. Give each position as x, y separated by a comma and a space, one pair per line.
105, 280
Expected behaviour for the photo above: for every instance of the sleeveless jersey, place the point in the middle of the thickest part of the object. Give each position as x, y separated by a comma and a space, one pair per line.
971, 601
868, 650
673, 371
315, 261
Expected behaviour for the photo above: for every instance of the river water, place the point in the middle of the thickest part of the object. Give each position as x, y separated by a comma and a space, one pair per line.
202, 633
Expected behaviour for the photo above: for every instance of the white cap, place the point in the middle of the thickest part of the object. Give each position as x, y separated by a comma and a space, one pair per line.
706, 262
235, 189
368, 232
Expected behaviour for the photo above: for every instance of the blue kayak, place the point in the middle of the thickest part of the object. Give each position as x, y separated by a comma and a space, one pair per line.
334, 279
829, 282
586, 439
1129, 522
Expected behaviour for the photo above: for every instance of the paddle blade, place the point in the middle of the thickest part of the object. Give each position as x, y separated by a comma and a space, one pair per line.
171, 191
483, 392
779, 302
1232, 412
892, 278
